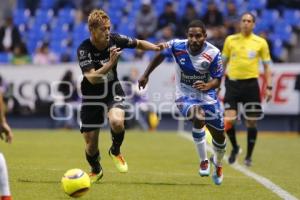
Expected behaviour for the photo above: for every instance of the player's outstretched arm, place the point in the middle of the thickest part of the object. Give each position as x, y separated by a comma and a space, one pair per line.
157, 60
145, 45
5, 130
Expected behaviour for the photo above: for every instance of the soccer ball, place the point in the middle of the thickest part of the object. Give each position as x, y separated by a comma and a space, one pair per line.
76, 182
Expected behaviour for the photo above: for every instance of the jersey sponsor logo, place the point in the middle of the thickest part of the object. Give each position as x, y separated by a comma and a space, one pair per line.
190, 79
85, 62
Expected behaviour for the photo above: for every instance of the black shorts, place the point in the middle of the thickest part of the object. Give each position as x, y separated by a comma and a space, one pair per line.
93, 111
245, 92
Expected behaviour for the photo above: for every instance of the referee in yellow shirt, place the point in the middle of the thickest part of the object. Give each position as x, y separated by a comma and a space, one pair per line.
242, 53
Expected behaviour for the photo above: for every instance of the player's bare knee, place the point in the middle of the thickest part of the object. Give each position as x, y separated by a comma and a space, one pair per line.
251, 123
117, 125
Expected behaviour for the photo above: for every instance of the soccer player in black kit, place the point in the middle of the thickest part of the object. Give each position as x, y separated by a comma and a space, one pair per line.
101, 89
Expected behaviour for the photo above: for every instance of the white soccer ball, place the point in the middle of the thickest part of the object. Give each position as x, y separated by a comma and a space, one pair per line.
76, 182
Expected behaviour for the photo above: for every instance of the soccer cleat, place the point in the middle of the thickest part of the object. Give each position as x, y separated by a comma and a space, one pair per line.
6, 197
95, 178
119, 162
248, 162
233, 155
217, 173
204, 168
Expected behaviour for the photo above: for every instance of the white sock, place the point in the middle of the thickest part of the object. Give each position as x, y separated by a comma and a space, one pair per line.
4, 185
219, 152
200, 142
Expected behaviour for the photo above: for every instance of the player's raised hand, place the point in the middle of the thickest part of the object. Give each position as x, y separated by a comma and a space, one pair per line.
200, 85
114, 55
162, 45
143, 82
5, 132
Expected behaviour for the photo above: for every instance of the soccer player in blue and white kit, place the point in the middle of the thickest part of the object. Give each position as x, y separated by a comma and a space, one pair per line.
198, 74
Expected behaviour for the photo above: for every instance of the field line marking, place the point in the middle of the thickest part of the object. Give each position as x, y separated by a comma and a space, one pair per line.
260, 179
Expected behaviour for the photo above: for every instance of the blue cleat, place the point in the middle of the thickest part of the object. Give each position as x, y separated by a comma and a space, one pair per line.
217, 173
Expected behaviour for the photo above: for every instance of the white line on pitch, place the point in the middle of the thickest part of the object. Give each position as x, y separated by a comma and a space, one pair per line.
260, 179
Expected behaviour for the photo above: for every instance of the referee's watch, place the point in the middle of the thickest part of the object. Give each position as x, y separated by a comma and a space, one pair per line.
269, 87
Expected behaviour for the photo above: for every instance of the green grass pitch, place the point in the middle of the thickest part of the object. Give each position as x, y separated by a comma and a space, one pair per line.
162, 165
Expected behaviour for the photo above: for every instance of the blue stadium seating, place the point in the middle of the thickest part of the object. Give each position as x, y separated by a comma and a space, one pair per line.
256, 4
284, 31
21, 16
277, 47
66, 15
46, 4
292, 17
58, 28
270, 16
5, 58
262, 25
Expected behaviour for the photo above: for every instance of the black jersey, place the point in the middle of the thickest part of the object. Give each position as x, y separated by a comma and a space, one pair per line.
90, 57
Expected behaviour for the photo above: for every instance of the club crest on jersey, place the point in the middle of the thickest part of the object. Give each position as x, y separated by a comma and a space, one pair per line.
205, 65
81, 53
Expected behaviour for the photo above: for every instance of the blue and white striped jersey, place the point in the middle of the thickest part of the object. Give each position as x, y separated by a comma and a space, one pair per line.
205, 66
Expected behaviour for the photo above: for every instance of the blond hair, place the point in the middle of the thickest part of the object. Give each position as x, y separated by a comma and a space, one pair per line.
97, 18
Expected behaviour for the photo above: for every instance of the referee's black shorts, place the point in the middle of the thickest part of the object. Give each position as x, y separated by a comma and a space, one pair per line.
245, 92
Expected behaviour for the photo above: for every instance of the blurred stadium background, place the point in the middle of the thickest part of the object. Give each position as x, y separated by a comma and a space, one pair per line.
46, 35
41, 51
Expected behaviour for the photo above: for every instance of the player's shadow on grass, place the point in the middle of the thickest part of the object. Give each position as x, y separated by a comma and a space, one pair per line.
153, 183
37, 181
119, 183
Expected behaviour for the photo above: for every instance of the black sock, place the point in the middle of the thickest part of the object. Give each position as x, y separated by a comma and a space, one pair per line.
117, 140
232, 137
252, 133
94, 162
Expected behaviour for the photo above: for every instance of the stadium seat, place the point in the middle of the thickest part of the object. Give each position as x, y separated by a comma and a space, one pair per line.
115, 16
60, 32
126, 28
256, 4
46, 4
57, 47
261, 25
5, 58
270, 16
43, 16
66, 15
284, 31
292, 17
21, 16
278, 50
